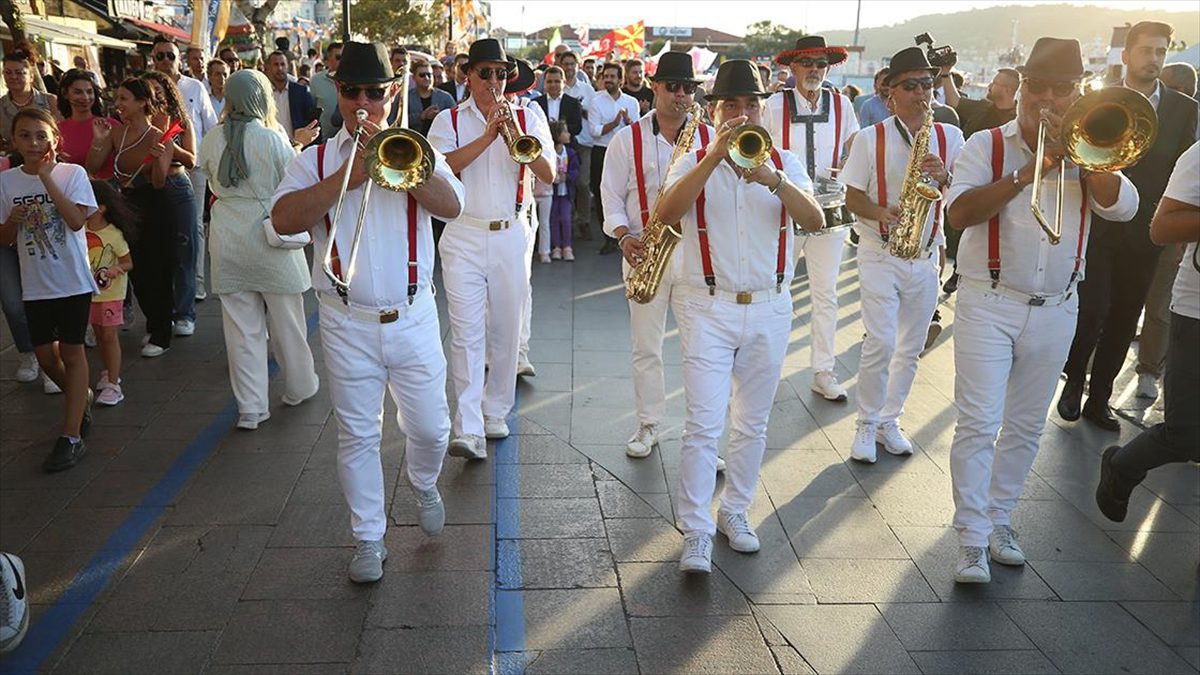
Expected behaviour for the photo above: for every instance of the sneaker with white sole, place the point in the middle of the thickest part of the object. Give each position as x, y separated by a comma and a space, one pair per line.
495, 427
27, 367
1003, 546
250, 421
431, 512
110, 393
643, 441
826, 384
48, 386
201, 292
367, 564
525, 368
89, 337
697, 554
972, 566
185, 328
1147, 386
863, 448
468, 447
720, 465
14, 602
736, 527
893, 439
291, 401
151, 350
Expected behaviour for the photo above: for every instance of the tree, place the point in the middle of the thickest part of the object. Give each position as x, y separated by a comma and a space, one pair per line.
12, 18
767, 38
397, 21
257, 16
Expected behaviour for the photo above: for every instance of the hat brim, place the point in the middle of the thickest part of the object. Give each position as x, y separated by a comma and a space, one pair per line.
1025, 72
673, 78
721, 96
892, 78
364, 80
835, 55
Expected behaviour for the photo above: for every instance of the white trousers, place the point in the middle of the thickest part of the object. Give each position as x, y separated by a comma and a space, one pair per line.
543, 228
732, 359
486, 278
363, 358
898, 299
199, 182
527, 310
1007, 357
647, 324
246, 317
823, 261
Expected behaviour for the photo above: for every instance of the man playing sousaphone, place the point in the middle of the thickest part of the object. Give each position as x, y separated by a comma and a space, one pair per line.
814, 123
485, 268
1016, 301
898, 293
732, 304
383, 334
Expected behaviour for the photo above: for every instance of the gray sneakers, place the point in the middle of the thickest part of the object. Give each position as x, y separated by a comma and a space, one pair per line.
432, 512
468, 447
1003, 546
367, 564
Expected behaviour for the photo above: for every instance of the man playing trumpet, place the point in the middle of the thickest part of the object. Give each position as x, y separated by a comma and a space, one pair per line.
732, 303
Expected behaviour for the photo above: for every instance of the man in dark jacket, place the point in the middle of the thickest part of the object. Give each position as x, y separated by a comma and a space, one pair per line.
560, 106
295, 106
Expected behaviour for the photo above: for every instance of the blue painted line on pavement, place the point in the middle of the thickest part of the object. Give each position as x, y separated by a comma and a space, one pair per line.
506, 634
47, 634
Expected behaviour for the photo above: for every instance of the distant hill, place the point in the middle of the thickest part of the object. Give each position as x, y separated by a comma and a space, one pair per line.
979, 33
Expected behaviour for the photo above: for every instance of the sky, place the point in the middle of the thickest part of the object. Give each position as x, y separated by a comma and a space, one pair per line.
814, 15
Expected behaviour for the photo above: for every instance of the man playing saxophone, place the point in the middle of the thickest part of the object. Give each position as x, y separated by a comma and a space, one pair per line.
892, 164
732, 303
1016, 301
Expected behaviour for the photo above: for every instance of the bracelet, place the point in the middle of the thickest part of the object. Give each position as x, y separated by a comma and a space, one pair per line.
779, 185
1016, 178
622, 239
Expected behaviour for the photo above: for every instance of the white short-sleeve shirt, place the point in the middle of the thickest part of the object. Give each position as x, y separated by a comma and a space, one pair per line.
1184, 186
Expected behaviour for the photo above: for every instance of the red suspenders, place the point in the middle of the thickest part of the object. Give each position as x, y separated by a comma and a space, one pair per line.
937, 214
520, 171
787, 121
639, 169
837, 126
881, 175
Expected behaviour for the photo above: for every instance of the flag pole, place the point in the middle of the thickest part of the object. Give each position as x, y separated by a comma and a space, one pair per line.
346, 21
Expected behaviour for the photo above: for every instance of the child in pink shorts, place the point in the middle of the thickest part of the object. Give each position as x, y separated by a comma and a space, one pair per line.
109, 230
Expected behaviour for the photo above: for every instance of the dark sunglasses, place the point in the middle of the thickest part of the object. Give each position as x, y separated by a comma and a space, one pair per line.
806, 62
489, 72
422, 75
164, 56
914, 82
1060, 88
689, 88
352, 92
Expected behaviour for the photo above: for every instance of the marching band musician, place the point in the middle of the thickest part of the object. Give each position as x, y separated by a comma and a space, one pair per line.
898, 295
384, 333
520, 81
484, 265
814, 123
1016, 301
733, 307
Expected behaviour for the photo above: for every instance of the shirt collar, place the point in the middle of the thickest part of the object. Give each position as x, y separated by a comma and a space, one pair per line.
1154, 95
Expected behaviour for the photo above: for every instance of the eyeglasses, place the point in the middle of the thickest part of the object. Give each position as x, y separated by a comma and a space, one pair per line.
422, 75
689, 88
164, 56
914, 82
1060, 88
352, 92
489, 72
806, 62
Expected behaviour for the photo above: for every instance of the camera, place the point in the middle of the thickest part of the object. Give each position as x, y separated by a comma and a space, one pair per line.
938, 56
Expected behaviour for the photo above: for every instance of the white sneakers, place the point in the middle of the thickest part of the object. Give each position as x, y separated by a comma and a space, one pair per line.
468, 447
643, 441
367, 564
431, 512
826, 384
495, 427
1147, 386
89, 337
894, 440
48, 386
27, 367
524, 367
972, 566
185, 327
14, 602
736, 528
151, 350
697, 554
863, 447
250, 421
1003, 546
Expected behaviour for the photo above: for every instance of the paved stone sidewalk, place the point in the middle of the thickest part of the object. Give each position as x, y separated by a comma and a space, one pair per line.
182, 545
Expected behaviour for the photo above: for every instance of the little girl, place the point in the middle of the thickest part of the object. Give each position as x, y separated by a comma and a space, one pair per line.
44, 205
110, 229
564, 193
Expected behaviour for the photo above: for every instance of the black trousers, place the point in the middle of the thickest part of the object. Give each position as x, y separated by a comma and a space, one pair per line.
594, 182
1120, 266
1178, 438
155, 256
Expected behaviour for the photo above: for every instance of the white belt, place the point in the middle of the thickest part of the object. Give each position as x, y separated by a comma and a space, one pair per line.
492, 225
1023, 298
367, 314
738, 297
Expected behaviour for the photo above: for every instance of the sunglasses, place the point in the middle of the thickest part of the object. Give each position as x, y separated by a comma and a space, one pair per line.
373, 93
164, 56
806, 62
422, 75
489, 72
689, 88
1060, 88
914, 82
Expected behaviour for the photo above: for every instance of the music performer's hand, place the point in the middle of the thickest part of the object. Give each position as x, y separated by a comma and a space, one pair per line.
496, 119
889, 217
633, 249
358, 172
761, 174
719, 147
933, 167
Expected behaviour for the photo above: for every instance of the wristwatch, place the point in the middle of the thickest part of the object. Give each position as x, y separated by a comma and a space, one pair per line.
1016, 178
779, 185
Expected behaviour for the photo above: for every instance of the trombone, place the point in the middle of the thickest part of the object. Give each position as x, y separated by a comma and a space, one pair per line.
523, 148
1105, 130
396, 159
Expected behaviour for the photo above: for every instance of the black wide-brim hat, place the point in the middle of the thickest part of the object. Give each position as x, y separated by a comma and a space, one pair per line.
737, 77
812, 46
675, 67
487, 50
907, 60
520, 80
364, 63
1055, 59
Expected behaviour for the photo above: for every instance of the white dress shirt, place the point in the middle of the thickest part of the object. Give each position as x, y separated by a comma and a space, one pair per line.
1185, 187
283, 110
491, 180
583, 91
553, 107
1028, 263
824, 133
604, 109
199, 107
743, 228
859, 172
380, 279
618, 185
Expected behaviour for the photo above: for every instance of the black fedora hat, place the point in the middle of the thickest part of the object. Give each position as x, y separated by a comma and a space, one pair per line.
675, 67
488, 49
520, 80
364, 63
907, 60
737, 77
812, 46
1055, 59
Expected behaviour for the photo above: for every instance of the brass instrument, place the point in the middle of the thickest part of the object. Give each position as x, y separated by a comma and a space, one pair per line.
658, 237
917, 196
523, 148
1105, 130
396, 159
749, 146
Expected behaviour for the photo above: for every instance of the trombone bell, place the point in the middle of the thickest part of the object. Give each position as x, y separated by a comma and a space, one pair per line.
750, 146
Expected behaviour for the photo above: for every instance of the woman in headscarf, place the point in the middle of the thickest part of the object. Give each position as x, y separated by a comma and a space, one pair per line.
260, 286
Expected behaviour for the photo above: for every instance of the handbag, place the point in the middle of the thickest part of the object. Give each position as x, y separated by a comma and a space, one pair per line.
284, 241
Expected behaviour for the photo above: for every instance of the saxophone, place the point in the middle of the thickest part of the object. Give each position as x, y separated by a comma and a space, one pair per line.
917, 195
658, 237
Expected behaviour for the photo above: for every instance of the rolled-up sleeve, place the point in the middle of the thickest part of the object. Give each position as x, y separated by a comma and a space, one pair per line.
442, 169
856, 172
441, 133
796, 172
1122, 210
614, 182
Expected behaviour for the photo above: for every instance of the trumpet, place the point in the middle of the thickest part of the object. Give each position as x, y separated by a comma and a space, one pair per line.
396, 159
523, 148
1105, 130
750, 146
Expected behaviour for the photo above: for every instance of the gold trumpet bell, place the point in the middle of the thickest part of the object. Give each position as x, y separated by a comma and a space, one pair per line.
1109, 129
750, 146
398, 159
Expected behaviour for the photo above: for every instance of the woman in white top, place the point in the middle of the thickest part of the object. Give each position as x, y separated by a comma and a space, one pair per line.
259, 285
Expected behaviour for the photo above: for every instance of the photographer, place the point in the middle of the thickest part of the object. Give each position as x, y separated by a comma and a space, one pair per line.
996, 109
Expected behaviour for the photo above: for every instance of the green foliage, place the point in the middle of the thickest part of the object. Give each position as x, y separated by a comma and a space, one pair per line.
394, 22
767, 38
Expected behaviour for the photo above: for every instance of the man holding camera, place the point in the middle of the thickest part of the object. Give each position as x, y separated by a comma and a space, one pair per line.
998, 108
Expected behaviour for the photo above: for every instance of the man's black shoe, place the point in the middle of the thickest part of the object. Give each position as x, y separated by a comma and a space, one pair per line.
1112, 494
1069, 402
608, 247
1100, 415
85, 424
951, 284
64, 455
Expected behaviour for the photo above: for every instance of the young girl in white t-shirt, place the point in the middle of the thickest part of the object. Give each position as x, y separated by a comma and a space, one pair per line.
43, 206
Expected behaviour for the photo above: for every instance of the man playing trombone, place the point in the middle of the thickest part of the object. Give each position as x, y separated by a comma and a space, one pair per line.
1016, 300
379, 328
484, 266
